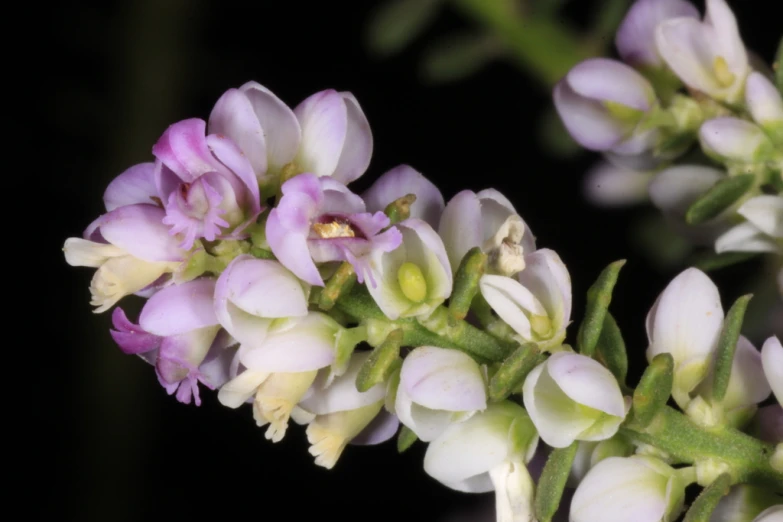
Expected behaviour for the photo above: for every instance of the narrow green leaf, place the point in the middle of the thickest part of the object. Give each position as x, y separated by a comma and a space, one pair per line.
405, 438
654, 389
513, 371
457, 56
727, 344
381, 362
400, 209
395, 23
598, 298
341, 282
721, 196
710, 261
702, 508
552, 482
466, 281
610, 350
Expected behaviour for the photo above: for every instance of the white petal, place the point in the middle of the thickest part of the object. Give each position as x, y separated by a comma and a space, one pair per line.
324, 121
587, 121
771, 514
689, 51
510, 300
426, 423
608, 185
281, 128
744, 237
747, 383
514, 492
81, 252
603, 80
674, 189
357, 150
732, 138
460, 226
587, 382
766, 213
547, 277
727, 36
763, 100
241, 388
772, 361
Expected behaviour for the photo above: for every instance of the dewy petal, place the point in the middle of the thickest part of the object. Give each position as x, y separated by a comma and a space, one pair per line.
180, 308
587, 382
674, 189
139, 230
324, 121
689, 52
357, 150
341, 394
281, 128
460, 226
764, 101
609, 185
403, 180
745, 237
233, 117
135, 185
443, 379
635, 38
772, 361
732, 138
602, 79
587, 121
766, 214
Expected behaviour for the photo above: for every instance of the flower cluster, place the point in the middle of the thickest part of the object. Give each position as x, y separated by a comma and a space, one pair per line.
269, 280
684, 81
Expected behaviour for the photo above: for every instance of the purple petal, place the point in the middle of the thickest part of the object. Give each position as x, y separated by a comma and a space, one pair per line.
635, 38
403, 180
233, 117
135, 185
602, 79
764, 101
337, 198
382, 428
139, 230
324, 122
587, 121
357, 149
183, 149
732, 138
131, 338
180, 308
280, 125
232, 157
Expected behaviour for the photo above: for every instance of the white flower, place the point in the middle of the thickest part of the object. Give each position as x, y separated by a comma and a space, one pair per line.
743, 504
773, 514
610, 185
488, 452
438, 386
638, 488
761, 232
572, 397
686, 322
708, 56
772, 361
536, 305
733, 140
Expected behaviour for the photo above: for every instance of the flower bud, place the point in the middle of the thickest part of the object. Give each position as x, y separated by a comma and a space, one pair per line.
732, 139
772, 362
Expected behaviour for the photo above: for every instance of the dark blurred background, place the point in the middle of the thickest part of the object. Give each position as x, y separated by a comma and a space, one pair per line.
118, 448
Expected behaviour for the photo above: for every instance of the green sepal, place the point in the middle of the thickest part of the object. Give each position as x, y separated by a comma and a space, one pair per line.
513, 370
341, 282
702, 508
721, 196
381, 363
653, 390
400, 209
610, 349
598, 298
727, 344
405, 438
553, 480
466, 282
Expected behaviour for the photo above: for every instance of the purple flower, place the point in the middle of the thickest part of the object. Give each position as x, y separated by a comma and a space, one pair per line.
205, 184
327, 134
178, 334
401, 181
320, 220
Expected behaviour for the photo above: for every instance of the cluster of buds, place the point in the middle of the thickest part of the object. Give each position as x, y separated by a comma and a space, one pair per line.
269, 280
685, 85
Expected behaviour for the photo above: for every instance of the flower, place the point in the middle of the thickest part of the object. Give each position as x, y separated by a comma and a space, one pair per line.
761, 232
320, 220
733, 140
707, 55
572, 397
744, 503
610, 185
489, 452
686, 321
401, 181
178, 333
635, 39
437, 387
537, 304
771, 514
413, 279
327, 134
638, 488
602, 102
764, 103
131, 248
486, 219
772, 362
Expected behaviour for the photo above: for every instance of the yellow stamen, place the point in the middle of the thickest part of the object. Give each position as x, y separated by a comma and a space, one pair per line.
722, 73
288, 171
412, 282
333, 229
541, 325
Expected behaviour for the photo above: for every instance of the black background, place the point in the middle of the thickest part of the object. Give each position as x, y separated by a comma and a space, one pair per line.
116, 446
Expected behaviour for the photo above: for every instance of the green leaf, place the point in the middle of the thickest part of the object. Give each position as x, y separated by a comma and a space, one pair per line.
727, 345
702, 508
610, 349
553, 480
654, 389
381, 363
405, 439
396, 23
513, 371
466, 281
598, 298
710, 261
456, 57
721, 196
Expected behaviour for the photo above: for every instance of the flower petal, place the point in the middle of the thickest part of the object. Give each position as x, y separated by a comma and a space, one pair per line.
587, 382
281, 128
587, 121
764, 101
745, 237
183, 149
139, 230
237, 391
732, 138
341, 394
403, 180
635, 38
357, 149
772, 361
609, 185
324, 121
602, 79
382, 428
766, 214
180, 308
510, 300
233, 117
135, 185
674, 189
460, 226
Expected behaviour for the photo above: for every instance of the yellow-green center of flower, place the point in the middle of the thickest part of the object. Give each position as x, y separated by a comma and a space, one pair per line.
412, 282
623, 113
333, 229
541, 325
722, 73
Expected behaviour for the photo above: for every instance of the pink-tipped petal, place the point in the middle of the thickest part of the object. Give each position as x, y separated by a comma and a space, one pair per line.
183, 149
587, 121
635, 38
602, 79
139, 230
403, 180
443, 379
135, 185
